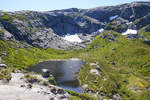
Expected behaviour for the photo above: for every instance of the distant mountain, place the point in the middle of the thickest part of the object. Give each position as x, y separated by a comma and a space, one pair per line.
47, 29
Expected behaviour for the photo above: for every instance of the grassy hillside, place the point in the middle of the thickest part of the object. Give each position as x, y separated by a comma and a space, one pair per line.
145, 31
15, 55
125, 64
125, 67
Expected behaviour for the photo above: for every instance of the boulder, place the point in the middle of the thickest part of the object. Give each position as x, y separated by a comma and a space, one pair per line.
113, 48
3, 65
45, 73
29, 86
54, 91
100, 98
61, 91
94, 71
85, 87
116, 97
99, 68
95, 81
62, 97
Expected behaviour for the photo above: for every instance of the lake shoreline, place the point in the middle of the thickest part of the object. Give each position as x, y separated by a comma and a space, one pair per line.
63, 70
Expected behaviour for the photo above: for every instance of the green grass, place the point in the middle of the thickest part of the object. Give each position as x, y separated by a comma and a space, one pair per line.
2, 32
129, 76
5, 17
81, 96
144, 29
5, 74
131, 69
22, 58
113, 26
145, 32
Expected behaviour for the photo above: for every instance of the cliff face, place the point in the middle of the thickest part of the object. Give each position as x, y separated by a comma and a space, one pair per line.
46, 29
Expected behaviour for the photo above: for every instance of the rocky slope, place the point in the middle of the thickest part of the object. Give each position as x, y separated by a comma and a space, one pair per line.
47, 29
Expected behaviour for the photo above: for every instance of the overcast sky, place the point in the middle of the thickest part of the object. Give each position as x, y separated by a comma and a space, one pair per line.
46, 5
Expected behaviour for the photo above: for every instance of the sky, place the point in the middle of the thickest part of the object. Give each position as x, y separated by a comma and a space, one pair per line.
47, 5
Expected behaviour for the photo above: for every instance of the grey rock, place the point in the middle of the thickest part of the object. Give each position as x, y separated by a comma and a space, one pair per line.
116, 97
46, 29
99, 68
22, 86
7, 35
95, 81
45, 73
60, 91
94, 71
3, 65
113, 48
54, 91
85, 87
100, 98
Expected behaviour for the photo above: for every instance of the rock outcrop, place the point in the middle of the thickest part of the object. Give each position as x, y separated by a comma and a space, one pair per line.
18, 88
46, 29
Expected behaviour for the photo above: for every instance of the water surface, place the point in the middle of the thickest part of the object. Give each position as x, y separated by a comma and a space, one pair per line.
64, 71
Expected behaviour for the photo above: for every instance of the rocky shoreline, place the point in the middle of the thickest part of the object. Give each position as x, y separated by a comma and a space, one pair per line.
19, 87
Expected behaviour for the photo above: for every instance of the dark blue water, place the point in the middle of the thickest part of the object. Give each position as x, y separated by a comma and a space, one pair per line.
64, 71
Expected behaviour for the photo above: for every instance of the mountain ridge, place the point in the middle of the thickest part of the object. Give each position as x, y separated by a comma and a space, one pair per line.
47, 29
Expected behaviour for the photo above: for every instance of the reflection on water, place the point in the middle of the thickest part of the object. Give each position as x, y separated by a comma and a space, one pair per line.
64, 71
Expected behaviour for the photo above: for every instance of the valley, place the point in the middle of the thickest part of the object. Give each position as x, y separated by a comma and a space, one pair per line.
114, 42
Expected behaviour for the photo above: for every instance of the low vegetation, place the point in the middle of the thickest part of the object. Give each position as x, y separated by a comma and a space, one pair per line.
14, 55
81, 96
1, 32
5, 74
125, 65
113, 26
5, 16
141, 22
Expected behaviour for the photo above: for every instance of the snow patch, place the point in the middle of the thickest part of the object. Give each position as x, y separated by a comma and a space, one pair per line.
72, 38
129, 23
113, 17
101, 30
130, 31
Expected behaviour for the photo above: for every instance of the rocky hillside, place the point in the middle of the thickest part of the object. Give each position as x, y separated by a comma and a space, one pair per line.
117, 56
48, 29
